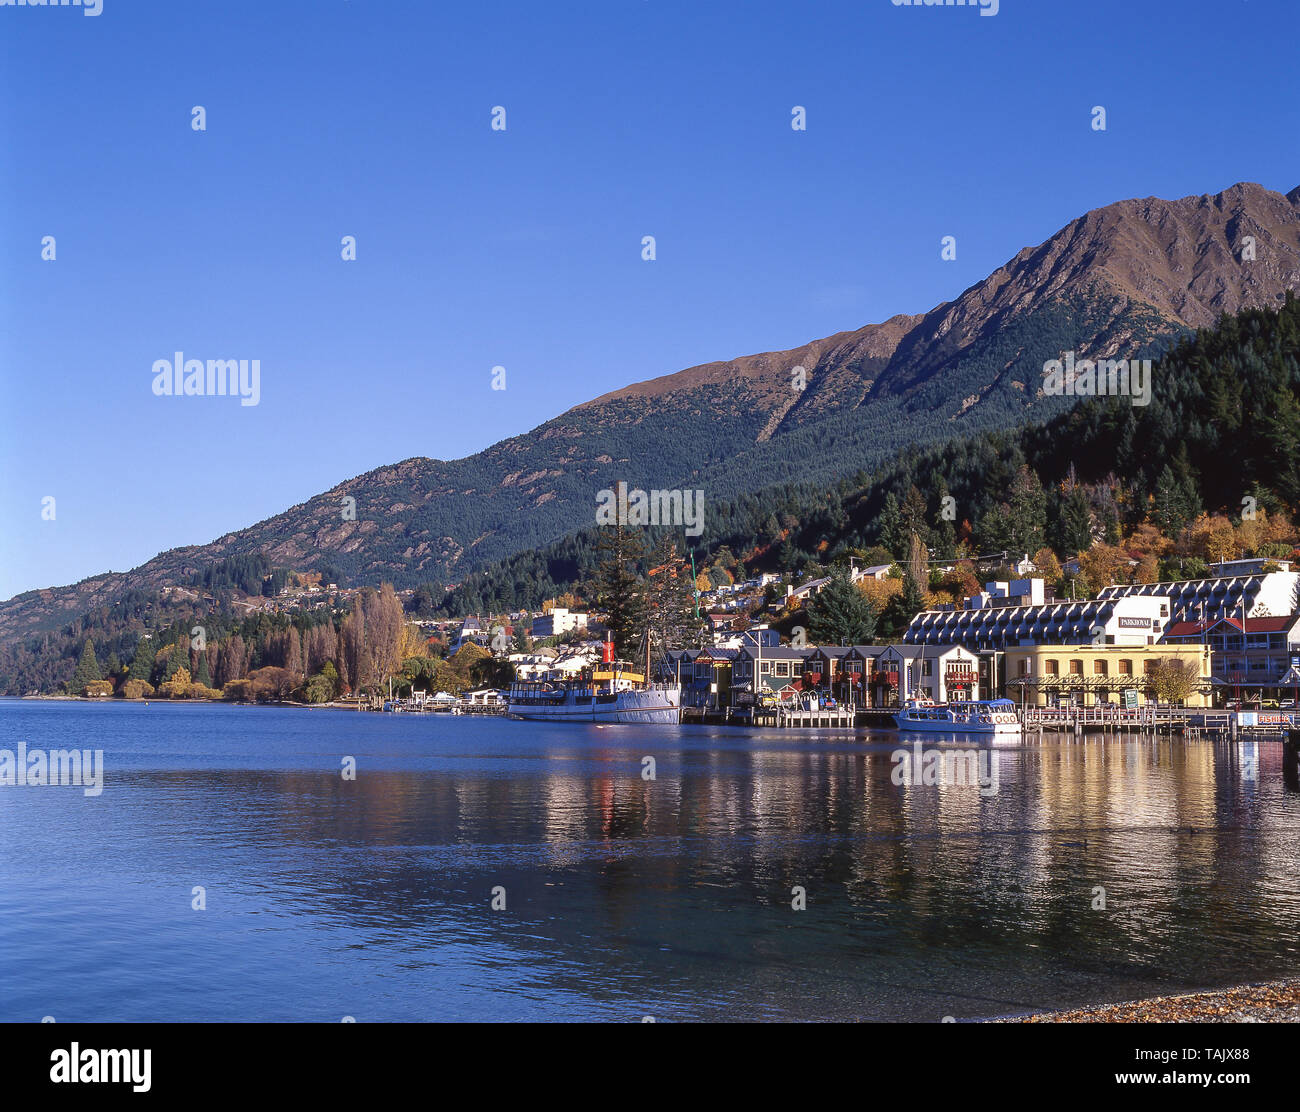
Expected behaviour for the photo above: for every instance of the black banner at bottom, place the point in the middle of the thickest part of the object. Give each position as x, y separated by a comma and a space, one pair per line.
143, 1061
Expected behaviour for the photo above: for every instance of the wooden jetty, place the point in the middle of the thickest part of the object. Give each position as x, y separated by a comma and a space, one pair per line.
1190, 722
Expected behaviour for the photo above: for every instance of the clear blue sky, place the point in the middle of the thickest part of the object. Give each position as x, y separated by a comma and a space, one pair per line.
522, 248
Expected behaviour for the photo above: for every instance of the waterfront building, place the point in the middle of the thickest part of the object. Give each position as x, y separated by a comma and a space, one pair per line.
765, 670
846, 672
946, 673
1087, 674
1119, 620
705, 675
1253, 594
1250, 658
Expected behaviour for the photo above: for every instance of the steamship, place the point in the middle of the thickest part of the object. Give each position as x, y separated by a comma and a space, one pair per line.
610, 693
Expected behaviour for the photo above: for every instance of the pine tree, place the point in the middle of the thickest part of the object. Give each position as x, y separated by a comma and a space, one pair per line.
87, 670
1028, 516
839, 614
670, 598
204, 674
1076, 523
914, 516
617, 587
892, 536
142, 662
178, 658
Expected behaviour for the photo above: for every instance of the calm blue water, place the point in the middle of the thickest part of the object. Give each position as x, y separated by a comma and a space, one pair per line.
625, 897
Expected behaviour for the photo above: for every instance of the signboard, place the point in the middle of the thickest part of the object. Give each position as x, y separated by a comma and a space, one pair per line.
1136, 623
1130, 699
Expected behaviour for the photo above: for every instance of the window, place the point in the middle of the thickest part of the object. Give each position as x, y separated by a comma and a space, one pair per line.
1024, 666
925, 667
1076, 667
796, 667
765, 668
1051, 667
1126, 667
1100, 667
782, 668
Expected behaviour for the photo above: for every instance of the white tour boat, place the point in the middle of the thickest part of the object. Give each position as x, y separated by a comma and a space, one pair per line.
992, 716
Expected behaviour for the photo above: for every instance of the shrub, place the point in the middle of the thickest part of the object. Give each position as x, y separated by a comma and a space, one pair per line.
238, 691
137, 689
199, 691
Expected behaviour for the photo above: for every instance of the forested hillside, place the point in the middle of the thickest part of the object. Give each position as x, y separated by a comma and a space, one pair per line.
1210, 469
1221, 434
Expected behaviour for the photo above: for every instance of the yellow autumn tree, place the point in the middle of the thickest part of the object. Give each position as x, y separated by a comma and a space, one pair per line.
1102, 565
1147, 540
1049, 567
412, 643
879, 592
178, 686
1211, 538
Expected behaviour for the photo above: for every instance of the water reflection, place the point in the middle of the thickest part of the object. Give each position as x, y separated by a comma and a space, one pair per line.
1100, 869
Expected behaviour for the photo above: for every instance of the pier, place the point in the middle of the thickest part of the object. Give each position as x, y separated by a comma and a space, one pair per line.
1188, 721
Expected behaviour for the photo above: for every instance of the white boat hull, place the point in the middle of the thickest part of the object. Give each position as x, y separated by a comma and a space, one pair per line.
984, 718
658, 706
939, 727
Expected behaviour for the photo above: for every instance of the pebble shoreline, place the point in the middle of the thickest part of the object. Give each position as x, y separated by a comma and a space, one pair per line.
1273, 1002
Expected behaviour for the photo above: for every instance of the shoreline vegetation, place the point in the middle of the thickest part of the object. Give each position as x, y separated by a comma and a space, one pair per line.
219, 700
1254, 1002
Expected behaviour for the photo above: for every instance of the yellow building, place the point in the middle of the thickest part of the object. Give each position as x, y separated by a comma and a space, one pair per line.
1085, 675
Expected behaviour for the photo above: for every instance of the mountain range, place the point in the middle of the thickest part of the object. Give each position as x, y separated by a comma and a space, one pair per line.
1121, 281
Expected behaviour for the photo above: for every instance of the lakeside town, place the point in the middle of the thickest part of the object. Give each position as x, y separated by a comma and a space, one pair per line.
1228, 640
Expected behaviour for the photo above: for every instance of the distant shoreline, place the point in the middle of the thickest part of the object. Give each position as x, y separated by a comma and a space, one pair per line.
114, 700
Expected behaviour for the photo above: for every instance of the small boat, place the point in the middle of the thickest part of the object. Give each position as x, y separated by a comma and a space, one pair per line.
991, 716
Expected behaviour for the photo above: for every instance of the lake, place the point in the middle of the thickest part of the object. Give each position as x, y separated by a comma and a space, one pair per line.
624, 897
